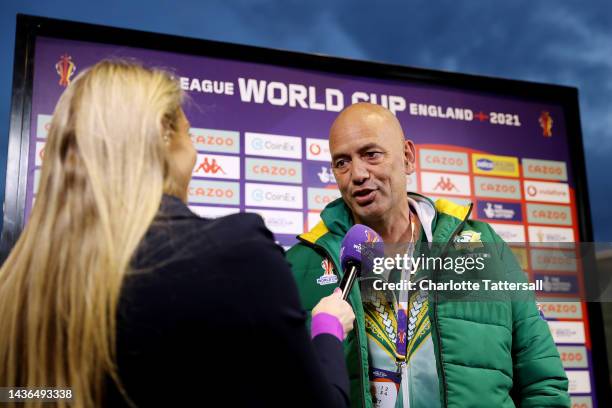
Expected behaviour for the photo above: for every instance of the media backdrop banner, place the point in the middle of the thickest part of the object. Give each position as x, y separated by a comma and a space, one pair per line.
261, 128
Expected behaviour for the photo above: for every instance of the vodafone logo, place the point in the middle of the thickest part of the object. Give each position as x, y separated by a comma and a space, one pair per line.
318, 149
547, 191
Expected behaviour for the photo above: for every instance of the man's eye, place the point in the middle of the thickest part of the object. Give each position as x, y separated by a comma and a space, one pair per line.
373, 155
340, 163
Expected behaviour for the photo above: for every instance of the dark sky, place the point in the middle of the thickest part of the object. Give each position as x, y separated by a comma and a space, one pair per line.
557, 41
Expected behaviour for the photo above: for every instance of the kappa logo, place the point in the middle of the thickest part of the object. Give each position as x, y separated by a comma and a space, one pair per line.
328, 276
65, 68
546, 123
445, 184
210, 167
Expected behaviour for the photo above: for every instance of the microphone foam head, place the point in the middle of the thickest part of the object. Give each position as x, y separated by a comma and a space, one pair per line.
353, 249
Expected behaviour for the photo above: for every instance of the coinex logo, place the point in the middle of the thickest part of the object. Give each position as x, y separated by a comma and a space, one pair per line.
262, 144
259, 144
273, 195
260, 195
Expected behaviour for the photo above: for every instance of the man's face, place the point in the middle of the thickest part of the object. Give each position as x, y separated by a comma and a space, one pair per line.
370, 160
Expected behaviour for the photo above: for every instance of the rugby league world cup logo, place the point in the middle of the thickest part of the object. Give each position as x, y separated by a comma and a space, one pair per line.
546, 123
65, 69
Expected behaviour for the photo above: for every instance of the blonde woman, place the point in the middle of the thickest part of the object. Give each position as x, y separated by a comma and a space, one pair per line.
117, 291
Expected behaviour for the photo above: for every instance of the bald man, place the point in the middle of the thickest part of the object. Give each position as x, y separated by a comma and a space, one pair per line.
415, 350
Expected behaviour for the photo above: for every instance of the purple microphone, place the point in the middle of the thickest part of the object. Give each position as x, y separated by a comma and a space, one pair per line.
353, 252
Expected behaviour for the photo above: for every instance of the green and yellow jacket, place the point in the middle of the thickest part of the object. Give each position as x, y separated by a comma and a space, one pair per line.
488, 353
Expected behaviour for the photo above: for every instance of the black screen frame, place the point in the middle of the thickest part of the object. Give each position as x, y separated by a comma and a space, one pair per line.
30, 27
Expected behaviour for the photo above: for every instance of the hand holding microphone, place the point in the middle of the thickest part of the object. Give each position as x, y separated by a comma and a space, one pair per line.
338, 307
352, 253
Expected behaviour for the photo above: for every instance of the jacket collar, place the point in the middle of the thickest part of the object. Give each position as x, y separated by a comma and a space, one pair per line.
172, 207
336, 219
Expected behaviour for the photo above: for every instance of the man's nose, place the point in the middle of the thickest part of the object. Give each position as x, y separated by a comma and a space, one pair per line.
360, 172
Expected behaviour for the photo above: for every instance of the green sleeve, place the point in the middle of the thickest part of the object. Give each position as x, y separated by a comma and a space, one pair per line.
306, 265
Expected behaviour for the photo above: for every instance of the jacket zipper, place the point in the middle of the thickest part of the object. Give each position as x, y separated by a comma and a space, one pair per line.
357, 335
435, 311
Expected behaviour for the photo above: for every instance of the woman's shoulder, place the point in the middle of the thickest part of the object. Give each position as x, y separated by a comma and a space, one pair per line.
177, 230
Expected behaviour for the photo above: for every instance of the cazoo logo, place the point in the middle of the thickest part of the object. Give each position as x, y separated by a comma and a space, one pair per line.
212, 140
214, 192
284, 171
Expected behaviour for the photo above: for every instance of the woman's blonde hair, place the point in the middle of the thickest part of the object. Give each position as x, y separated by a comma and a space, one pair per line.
105, 169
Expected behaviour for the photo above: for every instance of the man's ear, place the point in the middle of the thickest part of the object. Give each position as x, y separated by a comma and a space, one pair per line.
409, 156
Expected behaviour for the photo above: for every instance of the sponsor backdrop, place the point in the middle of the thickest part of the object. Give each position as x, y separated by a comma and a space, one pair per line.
261, 136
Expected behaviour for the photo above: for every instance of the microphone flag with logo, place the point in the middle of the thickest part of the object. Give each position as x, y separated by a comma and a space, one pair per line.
360, 246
